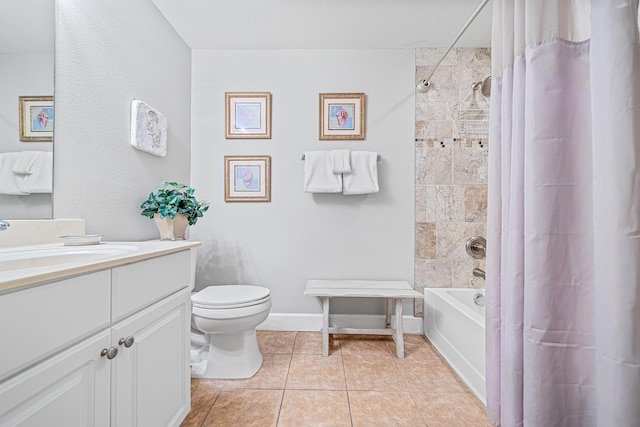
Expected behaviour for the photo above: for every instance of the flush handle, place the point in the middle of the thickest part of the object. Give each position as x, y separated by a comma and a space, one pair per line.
127, 342
109, 353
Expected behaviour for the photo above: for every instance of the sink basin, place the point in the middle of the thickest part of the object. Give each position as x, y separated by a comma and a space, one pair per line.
39, 256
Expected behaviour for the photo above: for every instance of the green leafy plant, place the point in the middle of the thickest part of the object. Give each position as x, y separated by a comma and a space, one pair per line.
172, 198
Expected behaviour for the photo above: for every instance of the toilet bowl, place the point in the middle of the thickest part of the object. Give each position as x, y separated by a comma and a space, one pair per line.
224, 320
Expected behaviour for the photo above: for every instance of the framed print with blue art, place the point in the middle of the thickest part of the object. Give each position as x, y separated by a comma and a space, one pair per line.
247, 178
341, 116
36, 118
248, 115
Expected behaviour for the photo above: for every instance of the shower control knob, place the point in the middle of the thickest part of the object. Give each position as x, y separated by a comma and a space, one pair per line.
127, 342
109, 353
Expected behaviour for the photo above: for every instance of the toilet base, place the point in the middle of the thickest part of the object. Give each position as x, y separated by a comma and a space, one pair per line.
228, 356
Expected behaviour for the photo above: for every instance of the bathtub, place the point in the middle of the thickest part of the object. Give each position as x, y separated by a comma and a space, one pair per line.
454, 324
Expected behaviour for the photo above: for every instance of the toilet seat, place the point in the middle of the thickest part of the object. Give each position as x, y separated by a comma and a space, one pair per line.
230, 296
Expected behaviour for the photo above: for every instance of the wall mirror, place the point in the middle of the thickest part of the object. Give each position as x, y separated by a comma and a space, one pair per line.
27, 36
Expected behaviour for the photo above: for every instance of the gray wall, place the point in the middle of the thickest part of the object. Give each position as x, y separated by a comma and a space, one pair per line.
300, 236
109, 52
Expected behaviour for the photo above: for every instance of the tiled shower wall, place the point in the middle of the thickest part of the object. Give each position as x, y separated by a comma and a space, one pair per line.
450, 171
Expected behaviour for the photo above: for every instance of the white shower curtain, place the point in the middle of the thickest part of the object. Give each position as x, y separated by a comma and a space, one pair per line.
563, 260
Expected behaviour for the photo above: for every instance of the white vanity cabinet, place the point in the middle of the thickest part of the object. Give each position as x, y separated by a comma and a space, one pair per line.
107, 348
69, 389
150, 379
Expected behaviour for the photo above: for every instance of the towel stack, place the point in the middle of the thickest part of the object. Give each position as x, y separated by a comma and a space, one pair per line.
26, 172
342, 171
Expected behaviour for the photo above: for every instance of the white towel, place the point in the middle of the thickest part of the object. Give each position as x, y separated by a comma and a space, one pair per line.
9, 181
340, 161
26, 161
318, 174
363, 178
40, 180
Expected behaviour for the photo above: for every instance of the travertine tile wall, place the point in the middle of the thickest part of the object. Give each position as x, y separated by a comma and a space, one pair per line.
450, 171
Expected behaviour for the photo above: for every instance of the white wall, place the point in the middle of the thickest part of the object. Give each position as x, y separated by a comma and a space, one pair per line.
300, 236
23, 74
109, 52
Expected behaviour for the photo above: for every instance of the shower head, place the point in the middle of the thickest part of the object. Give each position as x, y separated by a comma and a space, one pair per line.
423, 86
484, 86
485, 89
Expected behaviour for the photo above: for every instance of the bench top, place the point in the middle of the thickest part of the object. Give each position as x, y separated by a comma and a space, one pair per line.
361, 288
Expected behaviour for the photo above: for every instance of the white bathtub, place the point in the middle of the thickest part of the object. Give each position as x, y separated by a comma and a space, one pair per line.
455, 326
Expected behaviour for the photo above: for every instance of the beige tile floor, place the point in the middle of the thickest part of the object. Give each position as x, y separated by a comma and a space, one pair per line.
361, 383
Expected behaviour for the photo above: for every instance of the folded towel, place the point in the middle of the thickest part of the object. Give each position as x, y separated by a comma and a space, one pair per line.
363, 178
26, 161
40, 180
340, 161
9, 181
318, 174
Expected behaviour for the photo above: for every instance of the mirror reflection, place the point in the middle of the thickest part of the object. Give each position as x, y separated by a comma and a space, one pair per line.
27, 115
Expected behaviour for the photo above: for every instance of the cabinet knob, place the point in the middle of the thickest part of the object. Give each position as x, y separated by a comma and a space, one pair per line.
127, 342
110, 353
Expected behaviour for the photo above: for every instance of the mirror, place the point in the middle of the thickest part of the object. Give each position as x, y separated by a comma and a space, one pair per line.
27, 33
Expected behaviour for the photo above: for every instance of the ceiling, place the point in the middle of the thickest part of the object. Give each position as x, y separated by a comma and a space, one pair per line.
326, 24
280, 24
22, 25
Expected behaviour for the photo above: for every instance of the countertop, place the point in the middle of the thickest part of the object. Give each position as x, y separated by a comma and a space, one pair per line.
12, 279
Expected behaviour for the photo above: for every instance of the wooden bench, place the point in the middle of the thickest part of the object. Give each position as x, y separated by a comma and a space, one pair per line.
393, 291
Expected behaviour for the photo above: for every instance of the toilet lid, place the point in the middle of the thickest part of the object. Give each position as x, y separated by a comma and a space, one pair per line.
229, 295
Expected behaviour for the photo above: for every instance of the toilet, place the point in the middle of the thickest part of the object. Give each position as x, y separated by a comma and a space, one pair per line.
223, 330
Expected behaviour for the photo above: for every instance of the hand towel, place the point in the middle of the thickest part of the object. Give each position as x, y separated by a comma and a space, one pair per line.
41, 178
340, 161
363, 178
26, 161
318, 174
9, 181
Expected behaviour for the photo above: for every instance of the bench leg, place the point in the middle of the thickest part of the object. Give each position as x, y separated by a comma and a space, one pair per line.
399, 330
387, 316
325, 326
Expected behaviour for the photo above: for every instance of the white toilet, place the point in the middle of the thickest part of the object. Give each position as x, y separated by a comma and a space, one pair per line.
224, 343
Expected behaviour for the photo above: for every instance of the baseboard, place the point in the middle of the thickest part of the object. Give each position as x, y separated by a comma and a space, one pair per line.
313, 322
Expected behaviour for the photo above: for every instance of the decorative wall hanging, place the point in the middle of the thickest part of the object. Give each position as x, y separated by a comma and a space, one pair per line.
247, 178
342, 116
36, 118
248, 115
148, 129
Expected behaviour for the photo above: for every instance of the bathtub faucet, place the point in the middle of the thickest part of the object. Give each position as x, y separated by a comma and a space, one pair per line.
4, 225
478, 272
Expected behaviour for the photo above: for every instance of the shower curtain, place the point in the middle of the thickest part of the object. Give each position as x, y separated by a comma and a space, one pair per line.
563, 229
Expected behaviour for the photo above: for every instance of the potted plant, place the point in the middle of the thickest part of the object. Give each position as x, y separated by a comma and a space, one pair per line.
173, 207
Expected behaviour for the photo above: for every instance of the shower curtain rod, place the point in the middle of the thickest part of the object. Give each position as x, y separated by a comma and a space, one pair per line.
423, 86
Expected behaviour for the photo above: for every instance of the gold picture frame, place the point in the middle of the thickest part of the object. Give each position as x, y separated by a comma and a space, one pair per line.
247, 178
341, 116
36, 118
248, 115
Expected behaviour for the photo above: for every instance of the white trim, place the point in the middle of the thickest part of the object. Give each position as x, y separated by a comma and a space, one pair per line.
313, 322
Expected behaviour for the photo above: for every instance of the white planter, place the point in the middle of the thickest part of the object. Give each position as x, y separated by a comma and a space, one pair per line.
172, 229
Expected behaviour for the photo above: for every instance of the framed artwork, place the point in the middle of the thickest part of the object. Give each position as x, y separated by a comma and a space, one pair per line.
248, 115
148, 129
36, 118
342, 116
247, 178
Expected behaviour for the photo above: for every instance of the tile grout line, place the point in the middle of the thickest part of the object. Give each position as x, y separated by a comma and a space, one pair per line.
346, 387
284, 386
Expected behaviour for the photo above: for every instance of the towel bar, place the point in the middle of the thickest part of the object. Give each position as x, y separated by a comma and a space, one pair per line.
301, 157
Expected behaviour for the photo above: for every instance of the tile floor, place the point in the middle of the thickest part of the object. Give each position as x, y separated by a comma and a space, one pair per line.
361, 383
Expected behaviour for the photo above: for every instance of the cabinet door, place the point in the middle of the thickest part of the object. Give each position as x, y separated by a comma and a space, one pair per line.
69, 389
150, 379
